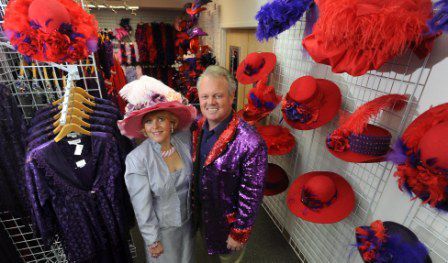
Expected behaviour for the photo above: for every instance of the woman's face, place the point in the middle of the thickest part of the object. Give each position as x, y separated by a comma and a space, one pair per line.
158, 125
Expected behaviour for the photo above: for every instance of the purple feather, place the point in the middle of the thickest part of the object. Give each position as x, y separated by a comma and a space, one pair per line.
401, 251
440, 20
398, 153
278, 16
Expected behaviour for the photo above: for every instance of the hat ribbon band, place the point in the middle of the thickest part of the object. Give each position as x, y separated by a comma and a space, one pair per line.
249, 70
260, 104
308, 199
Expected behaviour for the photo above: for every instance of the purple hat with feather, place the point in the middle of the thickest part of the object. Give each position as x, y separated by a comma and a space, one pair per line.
196, 32
390, 242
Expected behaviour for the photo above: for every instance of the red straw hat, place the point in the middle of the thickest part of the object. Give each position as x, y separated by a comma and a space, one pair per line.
262, 100
255, 67
359, 142
422, 157
311, 103
355, 36
50, 30
321, 197
276, 180
146, 95
278, 139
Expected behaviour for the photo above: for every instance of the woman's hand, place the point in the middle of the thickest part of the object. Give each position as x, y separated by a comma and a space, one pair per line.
156, 250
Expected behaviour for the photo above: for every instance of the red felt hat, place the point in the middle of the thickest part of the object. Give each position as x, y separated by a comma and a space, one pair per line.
50, 30
311, 103
321, 197
255, 67
262, 100
373, 32
359, 142
146, 95
277, 180
278, 139
421, 155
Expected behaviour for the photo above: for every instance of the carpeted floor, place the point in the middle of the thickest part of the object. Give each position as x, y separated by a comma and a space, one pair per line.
266, 245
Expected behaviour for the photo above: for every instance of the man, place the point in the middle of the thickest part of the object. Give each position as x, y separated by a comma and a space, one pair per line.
230, 163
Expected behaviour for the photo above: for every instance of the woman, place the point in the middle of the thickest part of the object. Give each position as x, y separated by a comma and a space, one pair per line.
158, 171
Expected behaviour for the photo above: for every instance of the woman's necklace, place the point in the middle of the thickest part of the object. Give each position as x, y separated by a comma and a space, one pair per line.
169, 152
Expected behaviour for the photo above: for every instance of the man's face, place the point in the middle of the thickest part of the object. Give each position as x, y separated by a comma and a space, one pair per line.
214, 99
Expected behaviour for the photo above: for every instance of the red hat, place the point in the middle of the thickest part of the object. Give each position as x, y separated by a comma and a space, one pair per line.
277, 180
278, 139
195, 9
255, 67
146, 95
373, 32
50, 30
262, 100
421, 155
321, 197
359, 142
311, 103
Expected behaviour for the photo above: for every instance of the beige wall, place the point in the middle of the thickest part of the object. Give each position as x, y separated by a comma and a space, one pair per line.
238, 13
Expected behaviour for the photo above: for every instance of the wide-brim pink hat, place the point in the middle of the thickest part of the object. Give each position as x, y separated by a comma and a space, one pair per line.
147, 95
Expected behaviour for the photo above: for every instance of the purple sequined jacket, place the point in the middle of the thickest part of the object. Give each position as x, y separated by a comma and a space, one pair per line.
231, 187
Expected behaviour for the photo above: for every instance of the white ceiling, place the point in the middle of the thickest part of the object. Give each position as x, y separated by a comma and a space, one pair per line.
160, 4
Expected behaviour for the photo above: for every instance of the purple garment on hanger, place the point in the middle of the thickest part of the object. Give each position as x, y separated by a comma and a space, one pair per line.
86, 205
12, 158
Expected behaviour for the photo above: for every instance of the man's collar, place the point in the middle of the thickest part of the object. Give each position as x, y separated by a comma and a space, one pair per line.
221, 126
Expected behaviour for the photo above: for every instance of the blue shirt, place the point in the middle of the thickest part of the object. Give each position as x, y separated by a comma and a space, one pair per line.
209, 139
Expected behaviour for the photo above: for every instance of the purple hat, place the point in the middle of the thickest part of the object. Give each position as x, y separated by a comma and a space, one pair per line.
196, 32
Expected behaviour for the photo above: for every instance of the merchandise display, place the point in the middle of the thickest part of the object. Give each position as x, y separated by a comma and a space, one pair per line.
255, 67
277, 180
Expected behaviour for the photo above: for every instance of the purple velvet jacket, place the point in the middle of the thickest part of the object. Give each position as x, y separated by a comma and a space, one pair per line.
231, 187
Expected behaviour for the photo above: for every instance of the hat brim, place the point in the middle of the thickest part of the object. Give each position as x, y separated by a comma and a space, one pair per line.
330, 106
337, 211
131, 126
269, 65
281, 178
252, 117
278, 144
353, 157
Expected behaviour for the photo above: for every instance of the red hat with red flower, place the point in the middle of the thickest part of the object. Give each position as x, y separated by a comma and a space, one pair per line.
356, 36
277, 180
359, 142
278, 139
321, 197
50, 30
255, 67
389, 242
146, 95
421, 155
262, 100
311, 103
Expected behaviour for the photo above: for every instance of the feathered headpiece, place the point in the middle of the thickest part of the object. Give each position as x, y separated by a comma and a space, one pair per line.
278, 16
421, 158
440, 20
358, 141
389, 242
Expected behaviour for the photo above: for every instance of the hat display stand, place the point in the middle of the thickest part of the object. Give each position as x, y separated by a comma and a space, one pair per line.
331, 242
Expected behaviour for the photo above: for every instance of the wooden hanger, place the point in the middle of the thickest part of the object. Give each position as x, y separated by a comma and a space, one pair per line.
75, 96
73, 111
69, 128
83, 92
76, 104
70, 119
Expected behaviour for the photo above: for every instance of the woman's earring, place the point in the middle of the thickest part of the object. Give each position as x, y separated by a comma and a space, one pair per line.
172, 128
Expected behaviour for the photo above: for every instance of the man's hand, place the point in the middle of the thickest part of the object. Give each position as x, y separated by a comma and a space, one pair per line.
234, 245
156, 251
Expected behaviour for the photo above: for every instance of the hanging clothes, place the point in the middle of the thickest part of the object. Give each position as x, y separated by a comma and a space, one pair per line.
80, 198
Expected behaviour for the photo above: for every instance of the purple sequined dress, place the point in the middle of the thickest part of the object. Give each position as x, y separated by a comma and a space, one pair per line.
85, 205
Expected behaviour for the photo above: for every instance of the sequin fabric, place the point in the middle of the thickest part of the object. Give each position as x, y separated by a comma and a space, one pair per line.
231, 185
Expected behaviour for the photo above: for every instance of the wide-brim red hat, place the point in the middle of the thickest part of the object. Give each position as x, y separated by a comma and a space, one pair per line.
131, 126
277, 180
353, 157
51, 30
303, 90
278, 139
341, 207
255, 66
252, 114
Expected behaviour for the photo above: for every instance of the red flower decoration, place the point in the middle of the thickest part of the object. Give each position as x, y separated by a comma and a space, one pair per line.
338, 141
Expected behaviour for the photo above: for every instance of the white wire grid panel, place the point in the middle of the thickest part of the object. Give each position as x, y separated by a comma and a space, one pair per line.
34, 87
404, 75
